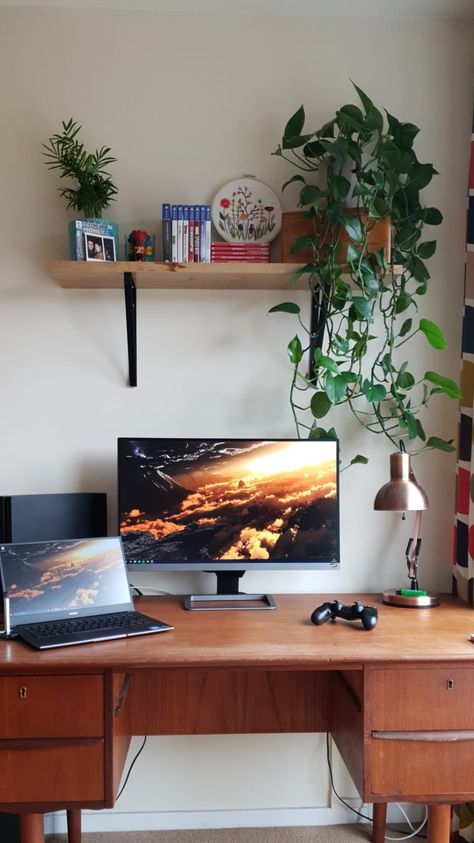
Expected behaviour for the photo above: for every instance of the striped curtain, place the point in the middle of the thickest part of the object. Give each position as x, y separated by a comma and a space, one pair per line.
463, 580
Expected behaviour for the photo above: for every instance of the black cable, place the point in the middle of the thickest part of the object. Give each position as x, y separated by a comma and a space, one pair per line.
130, 769
135, 588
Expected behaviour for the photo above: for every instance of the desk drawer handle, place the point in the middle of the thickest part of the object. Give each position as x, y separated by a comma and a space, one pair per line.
22, 692
450, 684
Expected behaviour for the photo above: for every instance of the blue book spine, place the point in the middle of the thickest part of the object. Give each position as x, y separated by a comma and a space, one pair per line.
166, 232
180, 234
197, 234
174, 233
202, 233
208, 233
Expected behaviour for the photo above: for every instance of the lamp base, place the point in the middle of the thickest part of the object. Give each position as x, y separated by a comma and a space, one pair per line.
417, 600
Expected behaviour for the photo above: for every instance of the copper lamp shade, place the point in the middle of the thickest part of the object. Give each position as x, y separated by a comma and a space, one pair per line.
403, 494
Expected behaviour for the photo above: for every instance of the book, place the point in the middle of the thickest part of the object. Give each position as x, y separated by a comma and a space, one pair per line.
208, 234
166, 232
202, 233
174, 233
197, 233
78, 229
185, 233
179, 234
191, 235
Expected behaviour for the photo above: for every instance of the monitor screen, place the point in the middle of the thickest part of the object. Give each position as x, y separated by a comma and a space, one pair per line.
228, 504
64, 578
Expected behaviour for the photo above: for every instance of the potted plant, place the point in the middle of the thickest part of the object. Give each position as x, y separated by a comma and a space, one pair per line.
365, 302
91, 192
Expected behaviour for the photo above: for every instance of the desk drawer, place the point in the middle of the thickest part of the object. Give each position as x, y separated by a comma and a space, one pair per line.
421, 768
51, 706
52, 774
422, 699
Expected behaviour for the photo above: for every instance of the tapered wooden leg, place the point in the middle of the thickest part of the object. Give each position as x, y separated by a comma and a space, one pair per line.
74, 826
32, 828
439, 822
379, 819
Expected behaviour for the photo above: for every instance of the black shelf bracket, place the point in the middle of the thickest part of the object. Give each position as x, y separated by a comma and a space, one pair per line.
317, 325
131, 317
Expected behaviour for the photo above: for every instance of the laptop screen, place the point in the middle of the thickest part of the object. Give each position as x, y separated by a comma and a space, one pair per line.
61, 579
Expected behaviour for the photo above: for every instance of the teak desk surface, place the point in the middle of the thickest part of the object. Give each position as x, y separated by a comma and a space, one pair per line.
398, 700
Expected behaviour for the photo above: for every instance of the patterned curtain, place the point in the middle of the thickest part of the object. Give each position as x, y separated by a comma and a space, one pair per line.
463, 581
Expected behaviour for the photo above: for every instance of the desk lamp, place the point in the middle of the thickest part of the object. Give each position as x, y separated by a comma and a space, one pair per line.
403, 494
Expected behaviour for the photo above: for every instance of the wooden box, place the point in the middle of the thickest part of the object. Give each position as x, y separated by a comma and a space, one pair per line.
294, 224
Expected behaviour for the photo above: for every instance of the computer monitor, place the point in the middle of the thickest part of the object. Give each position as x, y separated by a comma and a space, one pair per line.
229, 505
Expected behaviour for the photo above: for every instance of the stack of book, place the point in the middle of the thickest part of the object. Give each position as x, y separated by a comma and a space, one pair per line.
186, 233
240, 252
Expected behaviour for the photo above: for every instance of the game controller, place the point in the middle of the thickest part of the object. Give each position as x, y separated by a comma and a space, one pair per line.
368, 615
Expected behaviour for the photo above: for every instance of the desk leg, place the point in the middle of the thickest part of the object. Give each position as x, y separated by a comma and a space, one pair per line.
74, 826
439, 823
32, 828
379, 819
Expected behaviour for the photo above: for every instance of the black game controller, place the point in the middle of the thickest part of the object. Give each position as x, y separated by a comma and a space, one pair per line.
330, 611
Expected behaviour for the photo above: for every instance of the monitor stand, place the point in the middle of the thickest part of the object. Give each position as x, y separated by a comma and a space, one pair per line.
228, 596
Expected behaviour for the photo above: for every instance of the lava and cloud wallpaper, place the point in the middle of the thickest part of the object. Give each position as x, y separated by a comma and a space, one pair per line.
228, 501
64, 576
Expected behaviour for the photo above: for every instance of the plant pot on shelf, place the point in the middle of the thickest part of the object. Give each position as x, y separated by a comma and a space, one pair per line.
296, 223
93, 239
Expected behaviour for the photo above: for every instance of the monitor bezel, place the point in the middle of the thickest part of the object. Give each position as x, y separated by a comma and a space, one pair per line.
323, 564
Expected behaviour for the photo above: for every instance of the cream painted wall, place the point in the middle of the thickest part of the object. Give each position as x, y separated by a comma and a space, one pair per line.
187, 103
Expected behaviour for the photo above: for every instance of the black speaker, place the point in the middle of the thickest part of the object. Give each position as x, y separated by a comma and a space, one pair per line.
30, 518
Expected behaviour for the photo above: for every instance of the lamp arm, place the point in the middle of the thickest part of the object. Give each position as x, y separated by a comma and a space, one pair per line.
413, 551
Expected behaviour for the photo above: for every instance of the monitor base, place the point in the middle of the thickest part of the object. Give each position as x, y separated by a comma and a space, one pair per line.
225, 602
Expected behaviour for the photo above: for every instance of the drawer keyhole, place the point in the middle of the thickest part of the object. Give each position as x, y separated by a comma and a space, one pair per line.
450, 684
22, 692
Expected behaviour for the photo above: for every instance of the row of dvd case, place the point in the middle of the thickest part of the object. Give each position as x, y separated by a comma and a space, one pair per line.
186, 233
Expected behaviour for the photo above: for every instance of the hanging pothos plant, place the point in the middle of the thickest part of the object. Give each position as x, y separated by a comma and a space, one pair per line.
366, 310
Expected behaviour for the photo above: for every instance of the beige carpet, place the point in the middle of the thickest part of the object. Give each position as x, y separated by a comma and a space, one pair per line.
314, 834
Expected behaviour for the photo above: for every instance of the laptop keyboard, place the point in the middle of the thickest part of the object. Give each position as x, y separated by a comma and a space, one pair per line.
51, 629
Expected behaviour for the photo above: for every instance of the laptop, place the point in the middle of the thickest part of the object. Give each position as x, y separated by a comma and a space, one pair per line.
59, 593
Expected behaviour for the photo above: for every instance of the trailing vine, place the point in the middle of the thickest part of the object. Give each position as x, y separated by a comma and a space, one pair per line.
365, 306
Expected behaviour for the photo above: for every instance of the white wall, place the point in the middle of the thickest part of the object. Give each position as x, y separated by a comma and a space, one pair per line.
188, 102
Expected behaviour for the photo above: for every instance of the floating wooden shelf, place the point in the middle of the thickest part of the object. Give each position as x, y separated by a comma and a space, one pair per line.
84, 275
175, 276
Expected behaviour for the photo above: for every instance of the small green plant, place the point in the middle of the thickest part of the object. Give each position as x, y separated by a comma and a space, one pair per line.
365, 311
93, 188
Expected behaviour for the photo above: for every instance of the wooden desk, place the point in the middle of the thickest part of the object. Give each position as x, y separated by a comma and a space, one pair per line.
397, 701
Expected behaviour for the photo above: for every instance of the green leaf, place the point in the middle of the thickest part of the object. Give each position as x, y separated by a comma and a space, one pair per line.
313, 149
446, 385
420, 175
353, 254
374, 392
324, 362
293, 179
341, 344
373, 114
320, 405
326, 131
294, 141
440, 444
306, 241
295, 350
310, 194
405, 381
302, 270
431, 216
362, 308
411, 425
404, 301
427, 249
295, 123
285, 307
406, 327
353, 227
342, 185
335, 388
433, 333
359, 459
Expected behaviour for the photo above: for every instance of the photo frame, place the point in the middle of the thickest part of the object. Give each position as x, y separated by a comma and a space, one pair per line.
94, 247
